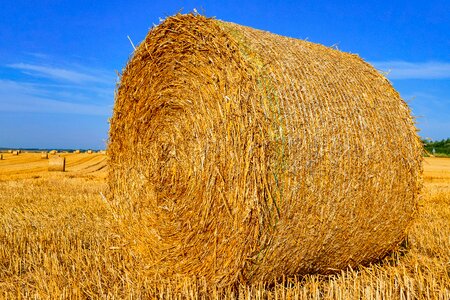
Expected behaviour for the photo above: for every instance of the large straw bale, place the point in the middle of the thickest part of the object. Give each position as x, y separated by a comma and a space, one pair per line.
44, 155
53, 152
256, 155
15, 152
57, 163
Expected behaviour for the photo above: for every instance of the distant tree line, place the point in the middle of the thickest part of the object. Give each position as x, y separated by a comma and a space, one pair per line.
440, 147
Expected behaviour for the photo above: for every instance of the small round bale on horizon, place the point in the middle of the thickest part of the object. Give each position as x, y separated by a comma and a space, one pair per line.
56, 163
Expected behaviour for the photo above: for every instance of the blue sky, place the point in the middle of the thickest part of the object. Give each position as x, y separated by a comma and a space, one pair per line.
59, 59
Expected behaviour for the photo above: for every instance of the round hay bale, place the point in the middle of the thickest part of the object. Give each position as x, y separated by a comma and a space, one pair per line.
257, 155
56, 163
53, 152
76, 151
89, 152
15, 152
10, 151
44, 155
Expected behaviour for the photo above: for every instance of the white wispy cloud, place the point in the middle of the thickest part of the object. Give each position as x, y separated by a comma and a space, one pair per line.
37, 55
23, 97
414, 70
61, 74
51, 87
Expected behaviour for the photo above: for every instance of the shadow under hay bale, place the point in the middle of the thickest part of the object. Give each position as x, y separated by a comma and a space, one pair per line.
257, 156
1, 156
57, 163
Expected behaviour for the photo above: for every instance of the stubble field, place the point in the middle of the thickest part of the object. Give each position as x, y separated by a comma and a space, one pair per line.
59, 239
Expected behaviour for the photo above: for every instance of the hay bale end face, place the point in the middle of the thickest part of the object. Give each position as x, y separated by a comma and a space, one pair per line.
257, 155
57, 163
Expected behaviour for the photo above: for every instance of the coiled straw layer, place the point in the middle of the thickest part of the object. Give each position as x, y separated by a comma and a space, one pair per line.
237, 155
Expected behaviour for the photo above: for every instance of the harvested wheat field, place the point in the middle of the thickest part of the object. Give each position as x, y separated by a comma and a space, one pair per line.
59, 238
256, 156
32, 164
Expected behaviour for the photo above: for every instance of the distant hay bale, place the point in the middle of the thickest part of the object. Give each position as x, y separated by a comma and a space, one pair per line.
76, 151
89, 152
57, 163
102, 152
15, 152
44, 155
238, 155
53, 152
10, 151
